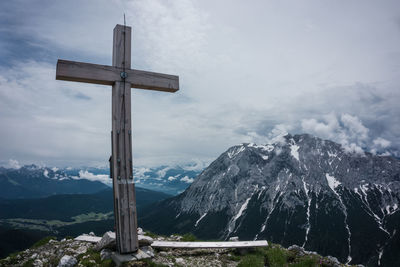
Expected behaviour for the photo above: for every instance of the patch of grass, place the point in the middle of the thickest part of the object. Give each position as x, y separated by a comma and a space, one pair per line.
93, 258
43, 241
308, 261
90, 258
189, 237
11, 259
150, 263
252, 260
28, 263
107, 263
152, 235
276, 256
53, 261
234, 257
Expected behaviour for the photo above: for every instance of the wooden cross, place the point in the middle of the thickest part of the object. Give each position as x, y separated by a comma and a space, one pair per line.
122, 78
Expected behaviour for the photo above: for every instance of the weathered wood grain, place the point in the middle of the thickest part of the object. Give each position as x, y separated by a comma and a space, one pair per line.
86, 72
122, 51
153, 81
107, 75
228, 244
124, 195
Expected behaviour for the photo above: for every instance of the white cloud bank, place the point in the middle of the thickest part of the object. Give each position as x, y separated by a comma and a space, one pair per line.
14, 164
347, 130
186, 179
104, 178
248, 73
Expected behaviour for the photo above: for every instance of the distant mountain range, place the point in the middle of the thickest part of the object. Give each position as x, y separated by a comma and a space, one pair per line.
301, 190
36, 182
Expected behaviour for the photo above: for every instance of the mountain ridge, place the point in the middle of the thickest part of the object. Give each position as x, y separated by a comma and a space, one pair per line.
302, 190
31, 181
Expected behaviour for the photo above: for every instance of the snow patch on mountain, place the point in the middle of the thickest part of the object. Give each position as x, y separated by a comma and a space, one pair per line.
201, 217
294, 151
332, 182
308, 211
238, 215
235, 151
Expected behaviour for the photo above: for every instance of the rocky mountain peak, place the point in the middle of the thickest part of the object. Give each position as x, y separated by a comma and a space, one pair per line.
284, 192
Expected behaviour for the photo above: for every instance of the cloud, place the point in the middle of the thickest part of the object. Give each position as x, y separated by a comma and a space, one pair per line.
161, 173
94, 177
171, 178
381, 142
14, 164
345, 129
186, 179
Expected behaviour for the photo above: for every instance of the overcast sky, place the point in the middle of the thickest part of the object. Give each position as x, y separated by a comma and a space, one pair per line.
249, 71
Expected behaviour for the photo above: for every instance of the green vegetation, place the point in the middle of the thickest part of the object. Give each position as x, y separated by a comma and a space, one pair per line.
307, 262
276, 256
252, 260
150, 263
28, 263
12, 259
43, 241
92, 258
189, 237
48, 225
151, 234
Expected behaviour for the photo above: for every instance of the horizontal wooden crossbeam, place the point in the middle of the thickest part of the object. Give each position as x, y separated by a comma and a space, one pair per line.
108, 75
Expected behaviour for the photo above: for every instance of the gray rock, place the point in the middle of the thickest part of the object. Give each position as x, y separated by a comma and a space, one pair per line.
140, 254
180, 261
333, 260
298, 250
67, 261
145, 240
119, 259
105, 254
107, 241
148, 250
163, 253
38, 263
140, 231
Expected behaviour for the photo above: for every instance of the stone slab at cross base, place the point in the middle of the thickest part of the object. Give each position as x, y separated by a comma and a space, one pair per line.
88, 238
119, 259
226, 244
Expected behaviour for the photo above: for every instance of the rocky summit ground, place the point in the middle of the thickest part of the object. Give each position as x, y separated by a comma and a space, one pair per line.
89, 252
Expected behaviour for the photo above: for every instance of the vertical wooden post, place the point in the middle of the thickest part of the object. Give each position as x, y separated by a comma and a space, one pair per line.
124, 188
